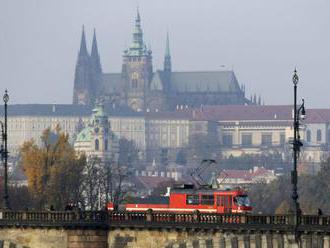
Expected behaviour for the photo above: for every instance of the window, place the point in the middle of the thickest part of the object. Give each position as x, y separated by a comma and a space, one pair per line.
192, 200
318, 135
227, 139
282, 139
308, 136
207, 200
266, 139
97, 145
106, 145
246, 139
134, 83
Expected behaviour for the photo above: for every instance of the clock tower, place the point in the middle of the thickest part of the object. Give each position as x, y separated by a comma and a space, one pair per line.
137, 69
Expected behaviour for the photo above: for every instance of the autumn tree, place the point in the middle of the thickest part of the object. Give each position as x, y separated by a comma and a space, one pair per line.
53, 170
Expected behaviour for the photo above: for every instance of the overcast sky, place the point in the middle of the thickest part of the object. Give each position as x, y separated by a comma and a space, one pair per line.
262, 40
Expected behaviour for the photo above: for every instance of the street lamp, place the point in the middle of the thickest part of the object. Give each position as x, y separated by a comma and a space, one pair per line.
299, 114
4, 152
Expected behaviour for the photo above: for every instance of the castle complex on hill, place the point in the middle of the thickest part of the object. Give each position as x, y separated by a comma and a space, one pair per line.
143, 89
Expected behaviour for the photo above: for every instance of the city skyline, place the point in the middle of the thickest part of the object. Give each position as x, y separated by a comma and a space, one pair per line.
261, 42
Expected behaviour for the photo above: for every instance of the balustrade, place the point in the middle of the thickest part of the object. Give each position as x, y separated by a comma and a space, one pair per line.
63, 218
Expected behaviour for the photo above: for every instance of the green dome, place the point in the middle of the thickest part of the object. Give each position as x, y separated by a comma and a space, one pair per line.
85, 135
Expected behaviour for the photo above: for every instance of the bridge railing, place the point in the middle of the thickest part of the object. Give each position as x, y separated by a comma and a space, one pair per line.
162, 217
52, 217
104, 218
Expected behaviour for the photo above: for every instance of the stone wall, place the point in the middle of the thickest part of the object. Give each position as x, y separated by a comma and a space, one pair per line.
33, 238
154, 238
164, 238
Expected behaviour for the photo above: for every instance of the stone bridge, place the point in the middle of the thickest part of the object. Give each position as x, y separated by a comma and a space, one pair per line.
101, 229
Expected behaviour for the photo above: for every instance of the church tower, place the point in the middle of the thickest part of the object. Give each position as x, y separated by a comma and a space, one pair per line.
137, 69
81, 88
95, 70
167, 66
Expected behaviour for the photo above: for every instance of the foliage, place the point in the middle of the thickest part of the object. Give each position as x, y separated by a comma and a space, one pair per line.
270, 160
53, 171
102, 183
181, 157
204, 146
128, 153
313, 193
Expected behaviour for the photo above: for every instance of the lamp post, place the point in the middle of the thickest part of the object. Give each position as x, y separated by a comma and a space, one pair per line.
4, 152
299, 114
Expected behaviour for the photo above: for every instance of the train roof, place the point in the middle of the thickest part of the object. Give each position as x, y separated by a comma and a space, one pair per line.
191, 189
150, 200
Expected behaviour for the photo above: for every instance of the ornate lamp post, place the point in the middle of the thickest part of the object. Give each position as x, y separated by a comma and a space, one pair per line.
299, 114
4, 152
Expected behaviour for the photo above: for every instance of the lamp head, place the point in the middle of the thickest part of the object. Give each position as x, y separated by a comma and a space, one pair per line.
295, 78
6, 97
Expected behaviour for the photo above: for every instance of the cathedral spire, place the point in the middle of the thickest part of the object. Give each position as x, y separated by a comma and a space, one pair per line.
167, 49
137, 47
167, 58
83, 47
81, 94
95, 57
95, 51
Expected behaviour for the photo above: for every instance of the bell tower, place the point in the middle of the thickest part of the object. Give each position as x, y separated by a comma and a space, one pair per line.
137, 69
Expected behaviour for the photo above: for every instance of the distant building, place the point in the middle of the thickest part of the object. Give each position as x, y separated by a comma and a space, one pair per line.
244, 178
160, 135
97, 139
143, 89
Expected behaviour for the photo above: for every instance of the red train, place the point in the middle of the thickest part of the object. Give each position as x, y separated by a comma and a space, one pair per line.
187, 199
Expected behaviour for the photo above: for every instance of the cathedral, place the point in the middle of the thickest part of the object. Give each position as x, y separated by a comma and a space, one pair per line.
142, 88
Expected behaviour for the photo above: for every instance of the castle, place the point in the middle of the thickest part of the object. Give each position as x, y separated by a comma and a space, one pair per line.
143, 89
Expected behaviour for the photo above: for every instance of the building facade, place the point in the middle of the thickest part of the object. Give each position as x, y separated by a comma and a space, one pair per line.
97, 139
141, 88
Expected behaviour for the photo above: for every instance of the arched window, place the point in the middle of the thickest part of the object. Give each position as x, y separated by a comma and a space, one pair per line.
97, 145
318, 135
106, 145
308, 135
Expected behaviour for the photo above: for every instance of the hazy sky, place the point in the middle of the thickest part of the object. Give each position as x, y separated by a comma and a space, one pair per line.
262, 40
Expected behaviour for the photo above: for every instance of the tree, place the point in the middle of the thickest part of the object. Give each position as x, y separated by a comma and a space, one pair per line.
204, 146
53, 170
181, 157
92, 183
128, 153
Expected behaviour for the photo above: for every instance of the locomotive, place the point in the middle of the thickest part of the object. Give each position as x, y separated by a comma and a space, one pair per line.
186, 198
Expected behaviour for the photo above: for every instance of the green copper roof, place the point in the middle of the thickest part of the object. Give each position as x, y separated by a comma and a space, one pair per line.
98, 111
85, 135
137, 48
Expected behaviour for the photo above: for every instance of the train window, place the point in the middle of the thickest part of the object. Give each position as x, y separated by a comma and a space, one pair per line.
220, 200
225, 201
230, 201
207, 199
192, 200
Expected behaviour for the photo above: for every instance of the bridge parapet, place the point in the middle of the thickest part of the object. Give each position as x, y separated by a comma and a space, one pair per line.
104, 219
135, 229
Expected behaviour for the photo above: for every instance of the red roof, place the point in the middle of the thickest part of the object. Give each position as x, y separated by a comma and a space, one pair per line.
244, 112
150, 182
241, 174
258, 113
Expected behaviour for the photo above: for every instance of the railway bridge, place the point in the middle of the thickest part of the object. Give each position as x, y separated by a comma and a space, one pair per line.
101, 229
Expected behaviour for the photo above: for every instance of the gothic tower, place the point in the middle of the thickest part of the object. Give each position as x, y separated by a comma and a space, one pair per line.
167, 65
88, 74
81, 88
95, 70
137, 69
